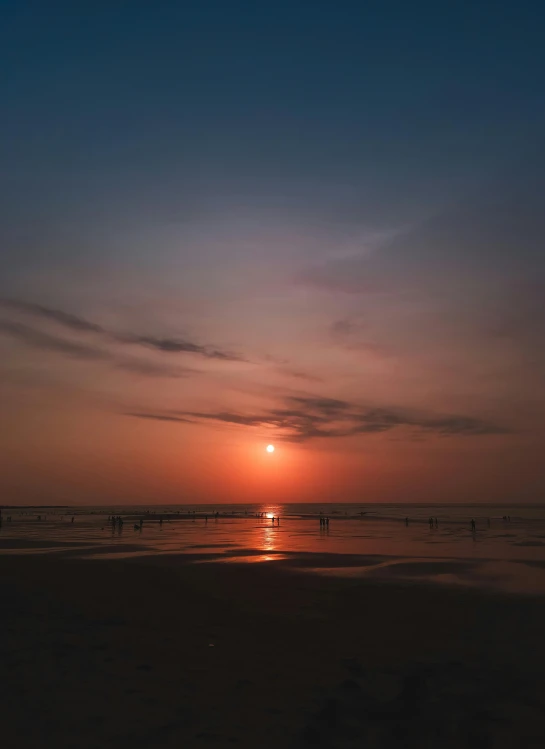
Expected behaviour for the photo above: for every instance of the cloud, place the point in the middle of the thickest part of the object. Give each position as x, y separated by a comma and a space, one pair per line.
229, 418
495, 233
40, 340
81, 325
63, 318
46, 342
344, 327
177, 346
158, 417
302, 418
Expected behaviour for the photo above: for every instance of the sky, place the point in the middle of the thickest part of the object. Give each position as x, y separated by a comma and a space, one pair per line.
316, 225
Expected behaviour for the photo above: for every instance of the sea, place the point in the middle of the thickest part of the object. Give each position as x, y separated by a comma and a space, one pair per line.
489, 546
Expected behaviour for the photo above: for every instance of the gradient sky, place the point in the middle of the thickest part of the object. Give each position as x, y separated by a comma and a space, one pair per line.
313, 224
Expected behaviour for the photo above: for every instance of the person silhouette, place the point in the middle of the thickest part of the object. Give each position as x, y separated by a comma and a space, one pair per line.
473, 526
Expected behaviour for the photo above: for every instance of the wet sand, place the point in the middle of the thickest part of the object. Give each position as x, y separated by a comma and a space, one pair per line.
157, 651
503, 556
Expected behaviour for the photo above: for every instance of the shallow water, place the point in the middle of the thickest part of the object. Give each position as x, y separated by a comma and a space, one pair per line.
508, 555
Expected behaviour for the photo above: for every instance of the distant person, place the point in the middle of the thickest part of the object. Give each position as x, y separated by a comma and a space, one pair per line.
272, 519
473, 526
430, 521
72, 518
407, 522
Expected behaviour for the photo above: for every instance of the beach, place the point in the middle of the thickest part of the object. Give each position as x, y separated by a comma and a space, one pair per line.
160, 651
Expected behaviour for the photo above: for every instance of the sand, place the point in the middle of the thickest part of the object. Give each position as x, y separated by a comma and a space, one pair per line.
161, 652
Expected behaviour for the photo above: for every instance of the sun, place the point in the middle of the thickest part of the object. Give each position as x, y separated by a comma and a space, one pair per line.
270, 448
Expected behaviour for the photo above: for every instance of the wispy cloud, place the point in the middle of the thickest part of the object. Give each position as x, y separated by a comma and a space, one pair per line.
158, 417
300, 419
81, 325
38, 339
344, 327
63, 318
177, 346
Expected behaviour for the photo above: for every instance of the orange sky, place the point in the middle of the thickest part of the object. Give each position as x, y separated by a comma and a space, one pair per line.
56, 449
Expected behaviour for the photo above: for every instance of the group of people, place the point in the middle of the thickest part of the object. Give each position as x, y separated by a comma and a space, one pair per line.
324, 522
434, 523
115, 520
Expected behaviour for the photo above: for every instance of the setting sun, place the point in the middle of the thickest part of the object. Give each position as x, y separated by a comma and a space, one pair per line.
270, 448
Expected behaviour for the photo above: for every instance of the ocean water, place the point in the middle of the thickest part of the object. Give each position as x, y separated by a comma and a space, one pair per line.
506, 551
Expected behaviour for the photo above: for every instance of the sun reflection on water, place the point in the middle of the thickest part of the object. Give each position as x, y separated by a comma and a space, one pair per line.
268, 542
